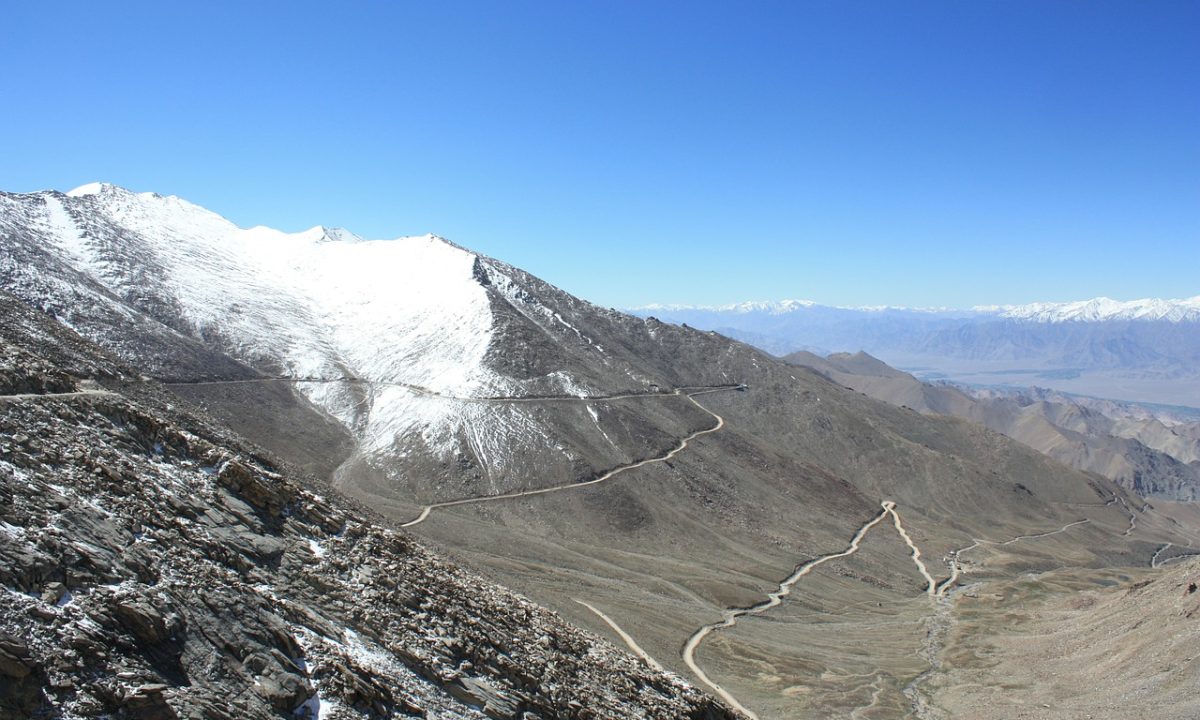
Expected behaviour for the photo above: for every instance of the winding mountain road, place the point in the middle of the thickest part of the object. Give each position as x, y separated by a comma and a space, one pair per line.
915, 551
1186, 553
1132, 517
1157, 553
953, 556
683, 444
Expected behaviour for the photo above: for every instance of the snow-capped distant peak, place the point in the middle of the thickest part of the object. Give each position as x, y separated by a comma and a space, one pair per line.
767, 306
783, 307
1101, 309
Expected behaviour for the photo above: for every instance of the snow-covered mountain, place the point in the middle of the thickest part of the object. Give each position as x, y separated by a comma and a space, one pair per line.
403, 341
782, 307
767, 306
316, 304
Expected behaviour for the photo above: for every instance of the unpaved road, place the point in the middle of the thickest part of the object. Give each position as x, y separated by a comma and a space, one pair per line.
1160, 551
85, 392
691, 396
629, 641
1156, 563
930, 583
953, 555
1132, 516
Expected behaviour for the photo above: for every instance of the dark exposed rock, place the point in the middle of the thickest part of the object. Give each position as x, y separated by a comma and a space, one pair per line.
147, 702
141, 620
21, 678
15, 660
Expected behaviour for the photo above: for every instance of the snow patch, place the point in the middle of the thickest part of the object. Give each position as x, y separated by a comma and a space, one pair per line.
569, 386
66, 232
596, 419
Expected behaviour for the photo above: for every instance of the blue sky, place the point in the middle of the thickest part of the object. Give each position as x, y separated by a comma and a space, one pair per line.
915, 153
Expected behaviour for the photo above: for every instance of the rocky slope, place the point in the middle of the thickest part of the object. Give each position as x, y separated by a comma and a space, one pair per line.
1175, 431
155, 566
1141, 453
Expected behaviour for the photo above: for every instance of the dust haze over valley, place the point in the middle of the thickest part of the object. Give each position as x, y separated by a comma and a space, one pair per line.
348, 435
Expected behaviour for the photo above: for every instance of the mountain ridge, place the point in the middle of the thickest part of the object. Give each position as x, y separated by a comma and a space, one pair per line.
1152, 458
1097, 309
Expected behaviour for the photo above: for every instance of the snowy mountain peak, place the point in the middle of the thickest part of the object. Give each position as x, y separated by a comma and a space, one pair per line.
104, 189
408, 321
1101, 309
766, 306
783, 307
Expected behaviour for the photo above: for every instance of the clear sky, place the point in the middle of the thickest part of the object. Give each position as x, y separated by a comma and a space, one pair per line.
914, 153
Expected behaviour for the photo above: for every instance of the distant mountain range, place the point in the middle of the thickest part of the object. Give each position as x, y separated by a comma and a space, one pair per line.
1141, 350
1099, 309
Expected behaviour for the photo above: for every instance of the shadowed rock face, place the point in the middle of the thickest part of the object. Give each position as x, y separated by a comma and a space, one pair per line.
154, 563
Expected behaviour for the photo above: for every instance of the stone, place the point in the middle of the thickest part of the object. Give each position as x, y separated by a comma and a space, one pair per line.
141, 620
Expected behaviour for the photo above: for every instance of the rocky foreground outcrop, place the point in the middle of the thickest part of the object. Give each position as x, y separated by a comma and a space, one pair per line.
154, 566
